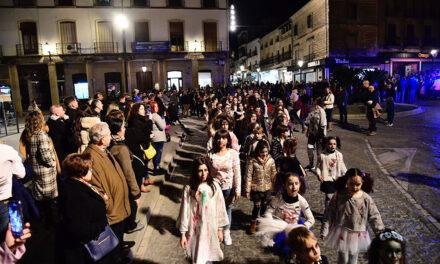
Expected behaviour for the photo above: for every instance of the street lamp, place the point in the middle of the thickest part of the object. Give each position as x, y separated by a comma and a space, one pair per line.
434, 53
144, 69
121, 22
300, 64
233, 25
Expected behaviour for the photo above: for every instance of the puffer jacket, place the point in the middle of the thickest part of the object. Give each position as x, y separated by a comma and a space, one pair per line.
260, 175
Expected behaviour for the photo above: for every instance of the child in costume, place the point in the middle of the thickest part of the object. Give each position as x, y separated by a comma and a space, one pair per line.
345, 219
330, 167
285, 209
202, 215
387, 247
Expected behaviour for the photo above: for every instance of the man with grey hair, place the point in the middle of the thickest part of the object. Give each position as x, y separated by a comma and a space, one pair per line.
108, 176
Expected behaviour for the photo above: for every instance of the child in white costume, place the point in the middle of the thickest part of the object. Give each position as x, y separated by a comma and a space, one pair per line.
202, 215
349, 212
285, 207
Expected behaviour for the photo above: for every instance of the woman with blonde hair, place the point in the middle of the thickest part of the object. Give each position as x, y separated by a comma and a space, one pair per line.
43, 160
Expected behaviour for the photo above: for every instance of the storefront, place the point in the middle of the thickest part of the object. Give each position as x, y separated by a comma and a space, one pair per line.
271, 76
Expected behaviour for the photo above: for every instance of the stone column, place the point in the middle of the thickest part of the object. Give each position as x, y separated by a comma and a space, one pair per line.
89, 73
124, 89
226, 72
53, 83
129, 79
163, 84
194, 73
14, 81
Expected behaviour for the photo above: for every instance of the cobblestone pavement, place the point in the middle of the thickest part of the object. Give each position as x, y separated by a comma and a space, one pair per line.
162, 241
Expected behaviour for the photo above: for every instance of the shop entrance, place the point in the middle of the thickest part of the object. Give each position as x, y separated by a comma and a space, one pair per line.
174, 80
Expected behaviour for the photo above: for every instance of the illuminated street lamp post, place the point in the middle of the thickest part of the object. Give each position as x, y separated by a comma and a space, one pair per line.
300, 64
121, 22
434, 54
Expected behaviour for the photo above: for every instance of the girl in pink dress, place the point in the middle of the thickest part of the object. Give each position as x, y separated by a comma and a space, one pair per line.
202, 215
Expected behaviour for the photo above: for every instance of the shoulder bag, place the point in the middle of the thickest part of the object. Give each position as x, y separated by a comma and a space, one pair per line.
103, 245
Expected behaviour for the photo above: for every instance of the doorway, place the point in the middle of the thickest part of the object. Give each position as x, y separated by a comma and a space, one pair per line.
112, 84
144, 81
174, 80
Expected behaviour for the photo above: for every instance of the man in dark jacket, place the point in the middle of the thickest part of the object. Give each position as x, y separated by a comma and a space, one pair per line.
72, 111
57, 123
371, 100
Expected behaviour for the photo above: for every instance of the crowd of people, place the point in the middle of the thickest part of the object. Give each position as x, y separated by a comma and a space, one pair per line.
86, 167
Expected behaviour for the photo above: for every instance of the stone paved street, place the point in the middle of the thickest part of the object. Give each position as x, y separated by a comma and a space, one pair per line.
161, 242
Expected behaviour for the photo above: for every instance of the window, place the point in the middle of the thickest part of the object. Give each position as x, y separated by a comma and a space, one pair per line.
271, 42
29, 38
141, 32
175, 3
352, 11
295, 30
68, 39
277, 39
141, 3
410, 35
105, 38
210, 36
310, 21
296, 55
391, 34
209, 3
176, 36
103, 2
24, 3
64, 2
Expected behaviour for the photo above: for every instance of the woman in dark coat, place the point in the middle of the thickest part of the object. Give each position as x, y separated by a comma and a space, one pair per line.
83, 212
137, 135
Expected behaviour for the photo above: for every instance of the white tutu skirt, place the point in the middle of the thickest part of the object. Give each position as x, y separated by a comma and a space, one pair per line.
346, 240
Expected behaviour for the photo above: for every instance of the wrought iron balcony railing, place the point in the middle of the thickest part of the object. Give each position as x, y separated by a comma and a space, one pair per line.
212, 46
34, 49
106, 47
69, 48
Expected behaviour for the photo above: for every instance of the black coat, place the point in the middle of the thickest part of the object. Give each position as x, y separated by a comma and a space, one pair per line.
58, 132
84, 217
138, 133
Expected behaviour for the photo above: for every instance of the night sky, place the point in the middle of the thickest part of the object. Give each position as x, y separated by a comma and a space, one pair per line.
259, 17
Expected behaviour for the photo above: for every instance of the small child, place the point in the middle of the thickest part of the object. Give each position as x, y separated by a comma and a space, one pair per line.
202, 215
304, 246
345, 219
387, 247
260, 176
330, 167
289, 204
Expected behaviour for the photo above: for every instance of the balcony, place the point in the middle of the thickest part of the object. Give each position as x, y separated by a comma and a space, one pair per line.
286, 56
211, 46
179, 47
69, 48
105, 47
310, 57
23, 50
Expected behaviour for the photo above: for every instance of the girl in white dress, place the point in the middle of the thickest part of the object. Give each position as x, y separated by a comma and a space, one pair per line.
202, 215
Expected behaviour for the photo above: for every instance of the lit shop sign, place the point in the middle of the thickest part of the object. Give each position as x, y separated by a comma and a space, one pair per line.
313, 63
341, 61
152, 46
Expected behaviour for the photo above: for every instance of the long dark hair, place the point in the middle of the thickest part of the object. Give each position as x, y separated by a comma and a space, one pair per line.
327, 140
222, 133
194, 180
302, 181
134, 112
262, 144
367, 180
379, 242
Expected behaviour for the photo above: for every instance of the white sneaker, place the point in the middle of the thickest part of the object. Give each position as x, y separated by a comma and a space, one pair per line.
227, 237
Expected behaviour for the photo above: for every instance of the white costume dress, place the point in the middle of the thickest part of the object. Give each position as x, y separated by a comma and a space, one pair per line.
201, 215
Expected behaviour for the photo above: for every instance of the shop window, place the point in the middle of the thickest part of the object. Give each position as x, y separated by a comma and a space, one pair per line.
205, 78
174, 80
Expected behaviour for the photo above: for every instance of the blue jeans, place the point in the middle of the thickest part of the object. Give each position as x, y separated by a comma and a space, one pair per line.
228, 195
159, 147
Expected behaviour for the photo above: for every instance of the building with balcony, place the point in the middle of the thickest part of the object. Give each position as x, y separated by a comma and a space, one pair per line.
55, 48
276, 54
392, 35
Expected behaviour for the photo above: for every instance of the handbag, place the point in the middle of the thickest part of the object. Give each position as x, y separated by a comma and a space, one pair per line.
104, 244
149, 152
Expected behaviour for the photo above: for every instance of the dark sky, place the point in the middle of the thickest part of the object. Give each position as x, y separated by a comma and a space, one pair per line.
259, 17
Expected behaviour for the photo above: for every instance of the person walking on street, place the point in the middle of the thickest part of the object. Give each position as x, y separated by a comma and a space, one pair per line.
390, 93
372, 103
329, 100
316, 123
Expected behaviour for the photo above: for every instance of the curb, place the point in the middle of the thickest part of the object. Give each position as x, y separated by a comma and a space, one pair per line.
428, 217
416, 111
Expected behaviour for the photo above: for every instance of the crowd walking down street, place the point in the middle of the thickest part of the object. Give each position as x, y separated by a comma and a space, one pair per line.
249, 174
